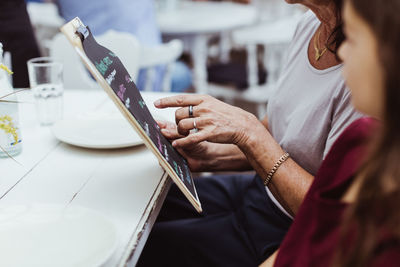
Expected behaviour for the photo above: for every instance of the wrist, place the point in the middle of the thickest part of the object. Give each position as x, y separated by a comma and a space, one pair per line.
253, 137
262, 148
245, 135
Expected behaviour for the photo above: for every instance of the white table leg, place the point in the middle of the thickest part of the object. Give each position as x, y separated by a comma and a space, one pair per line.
273, 61
252, 65
199, 55
225, 47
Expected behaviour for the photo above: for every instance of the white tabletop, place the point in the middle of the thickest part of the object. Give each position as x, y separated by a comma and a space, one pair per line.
125, 185
205, 17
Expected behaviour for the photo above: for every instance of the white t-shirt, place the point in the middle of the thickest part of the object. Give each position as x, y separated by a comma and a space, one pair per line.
309, 108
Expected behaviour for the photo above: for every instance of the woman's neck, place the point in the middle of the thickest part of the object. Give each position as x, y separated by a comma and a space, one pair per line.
327, 14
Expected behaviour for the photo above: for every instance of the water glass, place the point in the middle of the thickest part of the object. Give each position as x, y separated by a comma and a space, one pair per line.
46, 80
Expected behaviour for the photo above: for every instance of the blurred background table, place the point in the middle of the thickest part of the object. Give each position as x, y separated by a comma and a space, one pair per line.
126, 185
196, 22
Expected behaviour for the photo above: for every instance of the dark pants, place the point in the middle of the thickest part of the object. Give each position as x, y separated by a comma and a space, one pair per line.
240, 226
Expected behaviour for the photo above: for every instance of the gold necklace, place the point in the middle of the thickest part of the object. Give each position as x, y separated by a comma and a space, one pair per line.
318, 52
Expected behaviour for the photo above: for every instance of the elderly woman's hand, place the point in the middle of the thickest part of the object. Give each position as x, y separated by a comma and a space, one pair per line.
212, 120
200, 156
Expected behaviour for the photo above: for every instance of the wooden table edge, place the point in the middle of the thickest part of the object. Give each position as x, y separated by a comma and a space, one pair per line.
138, 239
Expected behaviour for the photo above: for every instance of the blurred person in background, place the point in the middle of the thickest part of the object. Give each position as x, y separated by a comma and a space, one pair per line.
17, 36
246, 217
132, 16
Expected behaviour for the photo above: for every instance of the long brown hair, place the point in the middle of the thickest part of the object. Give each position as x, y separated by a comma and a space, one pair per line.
336, 37
375, 214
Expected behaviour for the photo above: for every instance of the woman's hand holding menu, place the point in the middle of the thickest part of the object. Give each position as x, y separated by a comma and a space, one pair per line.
206, 156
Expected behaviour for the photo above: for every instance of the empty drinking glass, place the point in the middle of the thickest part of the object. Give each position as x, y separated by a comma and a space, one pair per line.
46, 80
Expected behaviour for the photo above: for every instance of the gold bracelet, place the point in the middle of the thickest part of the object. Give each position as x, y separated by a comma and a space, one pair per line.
281, 160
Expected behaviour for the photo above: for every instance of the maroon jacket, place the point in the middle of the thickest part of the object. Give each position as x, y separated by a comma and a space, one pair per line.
313, 238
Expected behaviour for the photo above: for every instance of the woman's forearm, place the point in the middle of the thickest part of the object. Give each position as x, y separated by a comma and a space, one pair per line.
290, 183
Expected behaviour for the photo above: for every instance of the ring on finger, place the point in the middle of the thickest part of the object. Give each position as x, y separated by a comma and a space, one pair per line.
195, 126
190, 111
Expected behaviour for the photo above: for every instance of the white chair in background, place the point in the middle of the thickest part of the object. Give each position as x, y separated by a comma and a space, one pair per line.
75, 75
149, 57
165, 54
46, 22
274, 37
44, 14
126, 47
133, 55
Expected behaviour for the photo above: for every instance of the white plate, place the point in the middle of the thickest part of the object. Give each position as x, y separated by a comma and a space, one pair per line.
52, 235
96, 132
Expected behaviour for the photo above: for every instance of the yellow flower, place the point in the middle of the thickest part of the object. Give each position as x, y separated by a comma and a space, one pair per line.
7, 125
4, 67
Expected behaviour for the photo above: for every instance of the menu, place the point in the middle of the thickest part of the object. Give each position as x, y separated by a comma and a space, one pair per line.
111, 74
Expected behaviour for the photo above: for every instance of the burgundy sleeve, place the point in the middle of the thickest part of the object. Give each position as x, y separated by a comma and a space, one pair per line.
388, 258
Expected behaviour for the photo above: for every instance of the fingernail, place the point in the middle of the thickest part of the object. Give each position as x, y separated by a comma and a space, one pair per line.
157, 103
174, 144
164, 131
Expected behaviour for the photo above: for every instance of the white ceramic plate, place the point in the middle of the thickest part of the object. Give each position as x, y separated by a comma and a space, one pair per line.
97, 132
52, 235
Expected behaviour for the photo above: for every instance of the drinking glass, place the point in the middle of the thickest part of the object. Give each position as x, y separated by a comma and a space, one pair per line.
46, 80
